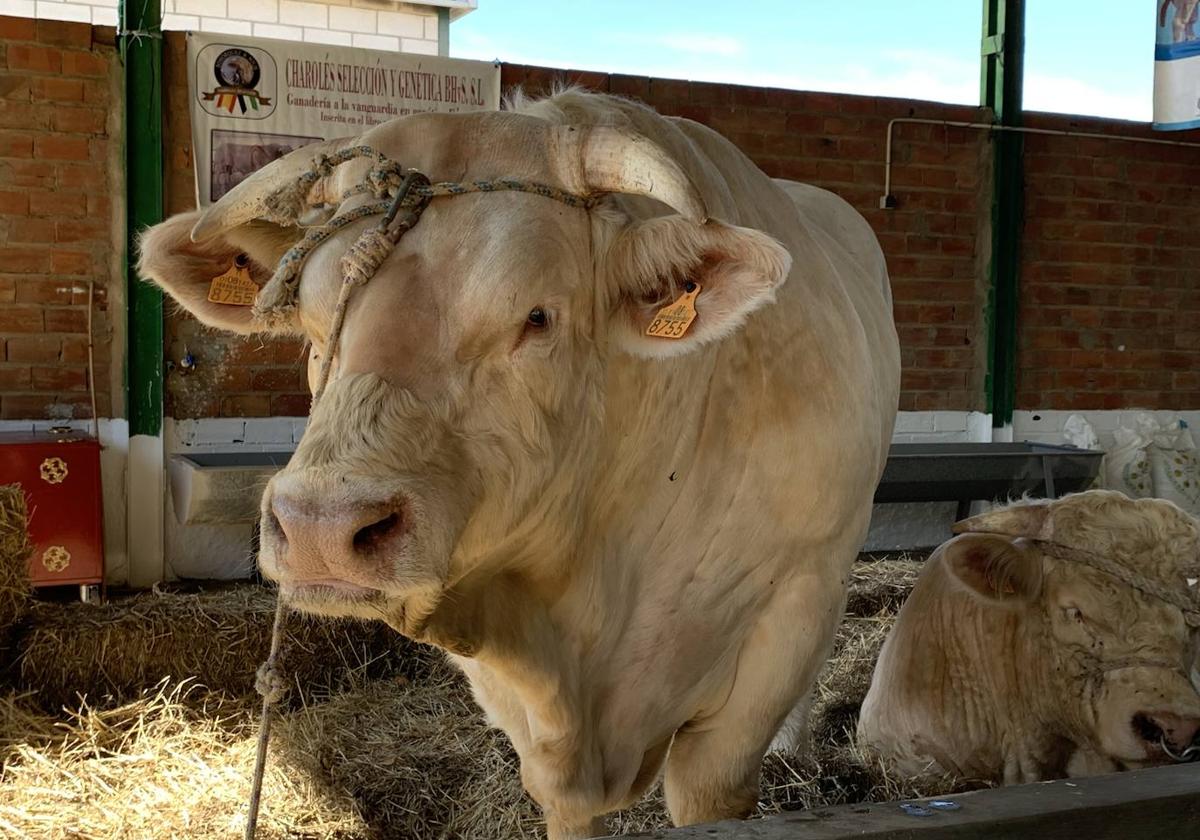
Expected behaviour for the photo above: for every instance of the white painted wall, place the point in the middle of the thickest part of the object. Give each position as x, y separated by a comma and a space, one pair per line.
410, 27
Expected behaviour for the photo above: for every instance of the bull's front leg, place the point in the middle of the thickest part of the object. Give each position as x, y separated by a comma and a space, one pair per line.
525, 675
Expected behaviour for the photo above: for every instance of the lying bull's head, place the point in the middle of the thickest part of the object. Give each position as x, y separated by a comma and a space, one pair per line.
466, 398
1118, 661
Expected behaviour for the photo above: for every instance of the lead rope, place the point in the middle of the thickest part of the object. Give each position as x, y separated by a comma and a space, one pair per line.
402, 211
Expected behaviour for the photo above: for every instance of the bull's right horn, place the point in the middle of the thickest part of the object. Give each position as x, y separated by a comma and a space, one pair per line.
606, 159
1029, 520
249, 200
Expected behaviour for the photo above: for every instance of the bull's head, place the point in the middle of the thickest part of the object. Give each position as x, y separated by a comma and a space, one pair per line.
467, 391
1118, 663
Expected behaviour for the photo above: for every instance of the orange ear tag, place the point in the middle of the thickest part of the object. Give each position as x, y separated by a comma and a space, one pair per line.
234, 287
673, 320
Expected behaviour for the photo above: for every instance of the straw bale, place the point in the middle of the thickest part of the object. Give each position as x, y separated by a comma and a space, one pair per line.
15, 547
111, 653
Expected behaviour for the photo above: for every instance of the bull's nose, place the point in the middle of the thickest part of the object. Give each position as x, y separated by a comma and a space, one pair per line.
1178, 731
318, 541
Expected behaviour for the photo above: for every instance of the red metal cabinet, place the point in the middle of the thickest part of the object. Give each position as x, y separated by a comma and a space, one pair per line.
60, 474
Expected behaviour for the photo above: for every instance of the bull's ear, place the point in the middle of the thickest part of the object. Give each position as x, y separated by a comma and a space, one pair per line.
184, 269
651, 262
995, 568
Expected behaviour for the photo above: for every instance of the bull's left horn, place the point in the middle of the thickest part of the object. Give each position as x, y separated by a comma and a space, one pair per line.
1031, 521
614, 160
249, 200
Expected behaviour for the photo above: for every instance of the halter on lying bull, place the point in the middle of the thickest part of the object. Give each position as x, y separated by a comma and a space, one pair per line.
402, 197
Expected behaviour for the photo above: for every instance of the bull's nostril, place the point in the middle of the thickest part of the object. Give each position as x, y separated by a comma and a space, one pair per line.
372, 535
1147, 729
272, 526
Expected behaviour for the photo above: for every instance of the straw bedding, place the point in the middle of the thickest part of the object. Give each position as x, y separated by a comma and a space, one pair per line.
391, 745
14, 564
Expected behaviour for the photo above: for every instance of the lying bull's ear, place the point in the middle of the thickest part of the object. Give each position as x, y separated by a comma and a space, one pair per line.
995, 568
651, 263
184, 269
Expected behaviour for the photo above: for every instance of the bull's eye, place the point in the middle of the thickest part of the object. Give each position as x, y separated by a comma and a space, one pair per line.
538, 319
1073, 614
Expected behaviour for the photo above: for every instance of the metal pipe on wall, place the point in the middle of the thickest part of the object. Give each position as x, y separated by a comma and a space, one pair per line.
888, 202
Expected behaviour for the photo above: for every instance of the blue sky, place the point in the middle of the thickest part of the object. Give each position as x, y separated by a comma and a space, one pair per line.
1094, 57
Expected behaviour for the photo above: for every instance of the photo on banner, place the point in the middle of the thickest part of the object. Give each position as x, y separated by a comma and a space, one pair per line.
254, 100
1177, 65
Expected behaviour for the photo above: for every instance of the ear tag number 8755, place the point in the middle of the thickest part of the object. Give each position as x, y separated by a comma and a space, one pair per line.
673, 320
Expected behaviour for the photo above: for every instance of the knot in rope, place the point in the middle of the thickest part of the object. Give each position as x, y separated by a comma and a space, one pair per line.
270, 682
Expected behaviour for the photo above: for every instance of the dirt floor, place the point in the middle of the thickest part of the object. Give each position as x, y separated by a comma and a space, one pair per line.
137, 719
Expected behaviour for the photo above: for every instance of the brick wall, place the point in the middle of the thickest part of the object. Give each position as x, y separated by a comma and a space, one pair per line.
57, 219
1110, 296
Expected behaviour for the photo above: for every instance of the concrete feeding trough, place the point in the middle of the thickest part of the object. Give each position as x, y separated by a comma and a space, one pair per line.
221, 487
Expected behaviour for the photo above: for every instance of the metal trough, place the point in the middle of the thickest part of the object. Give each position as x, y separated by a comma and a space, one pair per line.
221, 487
966, 472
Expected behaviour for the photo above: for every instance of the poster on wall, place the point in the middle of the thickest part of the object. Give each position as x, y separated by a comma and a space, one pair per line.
254, 100
1177, 65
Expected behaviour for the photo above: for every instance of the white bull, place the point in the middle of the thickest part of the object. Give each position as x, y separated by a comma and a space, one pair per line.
1050, 639
635, 547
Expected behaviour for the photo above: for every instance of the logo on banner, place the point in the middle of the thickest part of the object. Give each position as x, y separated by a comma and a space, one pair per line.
243, 89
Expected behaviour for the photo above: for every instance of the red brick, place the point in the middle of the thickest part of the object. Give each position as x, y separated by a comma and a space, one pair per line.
66, 320
30, 230
23, 260
43, 292
74, 349
35, 58
17, 29
67, 262
55, 89
38, 349
60, 147
76, 63
82, 230
246, 405
13, 203
65, 203
278, 379
290, 405
79, 120
64, 34
28, 173
14, 377
16, 144
58, 378
25, 406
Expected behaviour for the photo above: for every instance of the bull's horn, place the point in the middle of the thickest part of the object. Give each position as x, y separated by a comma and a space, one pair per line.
1031, 521
248, 200
614, 160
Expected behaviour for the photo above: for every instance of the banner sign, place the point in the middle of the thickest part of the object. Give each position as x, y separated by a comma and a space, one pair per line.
1177, 66
254, 100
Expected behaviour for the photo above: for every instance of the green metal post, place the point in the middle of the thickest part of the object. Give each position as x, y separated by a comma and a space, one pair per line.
1001, 79
443, 16
141, 50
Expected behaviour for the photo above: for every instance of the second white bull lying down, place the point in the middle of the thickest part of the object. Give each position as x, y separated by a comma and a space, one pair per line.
1050, 639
